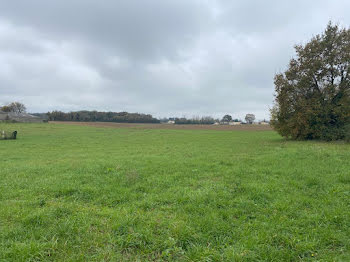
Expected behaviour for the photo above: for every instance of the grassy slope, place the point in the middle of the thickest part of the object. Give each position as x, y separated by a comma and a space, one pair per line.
76, 193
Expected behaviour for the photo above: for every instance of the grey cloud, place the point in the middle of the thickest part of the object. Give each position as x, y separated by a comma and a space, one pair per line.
139, 29
184, 57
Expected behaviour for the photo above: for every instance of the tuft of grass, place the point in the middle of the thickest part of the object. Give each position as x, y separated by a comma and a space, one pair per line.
75, 193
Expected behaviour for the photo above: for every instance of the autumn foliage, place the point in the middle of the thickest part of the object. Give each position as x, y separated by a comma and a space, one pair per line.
313, 95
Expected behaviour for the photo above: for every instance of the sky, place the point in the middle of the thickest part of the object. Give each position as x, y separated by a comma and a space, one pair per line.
162, 57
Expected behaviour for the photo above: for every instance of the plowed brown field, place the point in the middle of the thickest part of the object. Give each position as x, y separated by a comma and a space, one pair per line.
168, 126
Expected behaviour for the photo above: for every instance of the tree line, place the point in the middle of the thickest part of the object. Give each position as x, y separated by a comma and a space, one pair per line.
206, 120
92, 116
119, 117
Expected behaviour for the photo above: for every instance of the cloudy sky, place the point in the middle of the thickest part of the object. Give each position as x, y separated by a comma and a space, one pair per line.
163, 57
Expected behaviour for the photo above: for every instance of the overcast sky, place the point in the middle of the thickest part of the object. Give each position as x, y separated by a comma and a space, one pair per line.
163, 57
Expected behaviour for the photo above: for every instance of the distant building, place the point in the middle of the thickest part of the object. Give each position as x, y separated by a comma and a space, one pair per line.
235, 123
264, 122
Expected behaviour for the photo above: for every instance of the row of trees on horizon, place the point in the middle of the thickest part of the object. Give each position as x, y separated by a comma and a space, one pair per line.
95, 116
125, 117
120, 117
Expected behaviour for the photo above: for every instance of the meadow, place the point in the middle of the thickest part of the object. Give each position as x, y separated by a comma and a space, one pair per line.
85, 193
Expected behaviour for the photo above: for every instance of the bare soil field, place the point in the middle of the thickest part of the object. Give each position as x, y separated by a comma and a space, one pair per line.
168, 126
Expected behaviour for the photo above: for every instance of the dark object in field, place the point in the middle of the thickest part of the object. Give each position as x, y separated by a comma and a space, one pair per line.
6, 135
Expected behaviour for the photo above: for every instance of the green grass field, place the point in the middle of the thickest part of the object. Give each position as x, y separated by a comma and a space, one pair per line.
75, 193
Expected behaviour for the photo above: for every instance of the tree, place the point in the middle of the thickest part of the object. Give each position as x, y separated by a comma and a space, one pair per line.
312, 98
5, 109
15, 107
226, 118
249, 118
